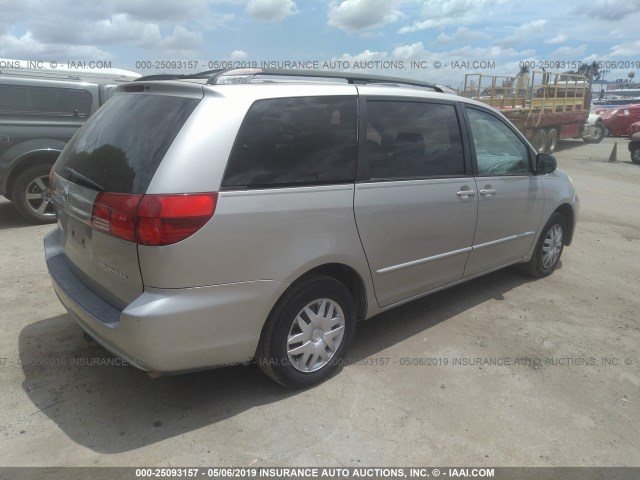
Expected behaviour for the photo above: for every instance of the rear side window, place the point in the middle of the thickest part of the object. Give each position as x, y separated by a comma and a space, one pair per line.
295, 141
121, 146
23, 100
407, 140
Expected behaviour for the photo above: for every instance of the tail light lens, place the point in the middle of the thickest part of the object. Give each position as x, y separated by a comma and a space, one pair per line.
167, 219
115, 214
152, 219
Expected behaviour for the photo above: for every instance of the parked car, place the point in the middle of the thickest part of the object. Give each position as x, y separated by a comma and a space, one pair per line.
215, 219
39, 112
634, 143
618, 120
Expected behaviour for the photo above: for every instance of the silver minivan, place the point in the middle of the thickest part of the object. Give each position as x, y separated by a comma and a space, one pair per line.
219, 218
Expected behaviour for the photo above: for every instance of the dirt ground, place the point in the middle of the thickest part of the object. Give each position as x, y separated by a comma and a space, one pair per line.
515, 372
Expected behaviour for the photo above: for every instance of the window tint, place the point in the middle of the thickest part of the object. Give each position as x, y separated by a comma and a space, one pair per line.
499, 151
413, 139
121, 146
18, 99
290, 141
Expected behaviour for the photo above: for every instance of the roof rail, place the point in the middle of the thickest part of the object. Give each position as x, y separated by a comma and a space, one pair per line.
245, 75
118, 75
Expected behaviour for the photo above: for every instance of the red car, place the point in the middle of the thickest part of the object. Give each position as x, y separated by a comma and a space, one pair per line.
619, 119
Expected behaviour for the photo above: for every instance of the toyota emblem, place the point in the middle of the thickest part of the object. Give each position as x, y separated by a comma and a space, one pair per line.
65, 195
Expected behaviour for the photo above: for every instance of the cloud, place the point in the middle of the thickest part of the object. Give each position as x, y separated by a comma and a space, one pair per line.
157, 10
441, 13
569, 52
28, 48
608, 9
626, 49
557, 39
523, 33
462, 34
238, 55
271, 10
354, 15
122, 28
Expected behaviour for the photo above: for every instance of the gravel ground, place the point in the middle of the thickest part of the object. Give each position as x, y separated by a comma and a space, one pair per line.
519, 372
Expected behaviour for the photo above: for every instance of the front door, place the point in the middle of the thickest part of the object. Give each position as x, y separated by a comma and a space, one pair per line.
510, 198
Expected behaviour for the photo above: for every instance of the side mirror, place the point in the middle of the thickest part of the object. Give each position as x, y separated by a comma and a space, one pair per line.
545, 163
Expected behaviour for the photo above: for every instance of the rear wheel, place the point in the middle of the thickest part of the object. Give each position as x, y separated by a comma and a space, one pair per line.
635, 154
308, 332
548, 249
552, 140
31, 195
539, 140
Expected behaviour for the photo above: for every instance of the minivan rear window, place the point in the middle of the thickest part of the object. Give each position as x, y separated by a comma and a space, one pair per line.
295, 141
121, 146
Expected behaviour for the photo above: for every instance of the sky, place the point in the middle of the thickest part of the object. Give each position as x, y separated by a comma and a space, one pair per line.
431, 40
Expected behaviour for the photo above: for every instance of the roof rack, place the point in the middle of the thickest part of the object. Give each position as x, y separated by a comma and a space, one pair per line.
117, 75
245, 75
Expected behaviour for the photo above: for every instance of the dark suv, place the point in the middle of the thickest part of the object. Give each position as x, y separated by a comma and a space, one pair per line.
39, 112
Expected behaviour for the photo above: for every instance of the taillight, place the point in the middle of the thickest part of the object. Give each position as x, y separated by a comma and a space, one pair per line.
152, 219
134, 88
167, 219
115, 214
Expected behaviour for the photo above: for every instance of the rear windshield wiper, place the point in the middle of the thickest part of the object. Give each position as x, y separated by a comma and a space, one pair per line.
85, 180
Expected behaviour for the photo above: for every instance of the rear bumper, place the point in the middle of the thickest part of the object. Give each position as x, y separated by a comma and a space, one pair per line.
170, 330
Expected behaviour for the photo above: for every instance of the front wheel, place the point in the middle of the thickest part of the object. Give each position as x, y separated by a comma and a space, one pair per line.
308, 332
548, 249
31, 195
635, 155
599, 132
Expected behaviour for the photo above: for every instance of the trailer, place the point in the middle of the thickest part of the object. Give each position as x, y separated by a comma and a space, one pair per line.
545, 107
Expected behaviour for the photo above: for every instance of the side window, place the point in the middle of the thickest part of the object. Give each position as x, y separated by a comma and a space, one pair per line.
22, 100
289, 141
407, 139
499, 151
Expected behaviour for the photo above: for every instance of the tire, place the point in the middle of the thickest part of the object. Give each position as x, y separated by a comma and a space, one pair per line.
635, 155
600, 132
552, 140
31, 195
545, 259
539, 140
291, 344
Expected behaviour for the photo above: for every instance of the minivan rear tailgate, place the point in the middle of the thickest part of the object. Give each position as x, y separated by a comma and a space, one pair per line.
106, 264
114, 156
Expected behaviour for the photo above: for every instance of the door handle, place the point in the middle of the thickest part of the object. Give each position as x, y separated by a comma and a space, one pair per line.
488, 192
466, 193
